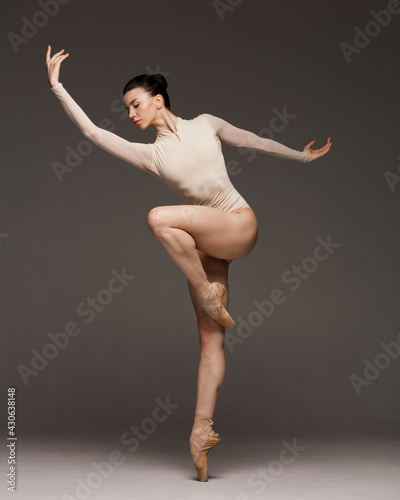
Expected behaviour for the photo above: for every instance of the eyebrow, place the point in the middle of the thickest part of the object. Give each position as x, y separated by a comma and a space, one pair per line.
126, 107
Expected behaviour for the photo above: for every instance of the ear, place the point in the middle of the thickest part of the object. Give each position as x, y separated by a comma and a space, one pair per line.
159, 101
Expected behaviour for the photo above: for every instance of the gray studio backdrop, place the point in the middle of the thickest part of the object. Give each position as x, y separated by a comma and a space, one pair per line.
316, 302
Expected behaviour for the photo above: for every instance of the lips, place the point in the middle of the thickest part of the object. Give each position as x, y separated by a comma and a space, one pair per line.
136, 122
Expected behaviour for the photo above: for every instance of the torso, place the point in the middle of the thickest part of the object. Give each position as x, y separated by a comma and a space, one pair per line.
191, 163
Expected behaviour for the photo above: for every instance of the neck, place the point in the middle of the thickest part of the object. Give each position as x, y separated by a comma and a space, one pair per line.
166, 120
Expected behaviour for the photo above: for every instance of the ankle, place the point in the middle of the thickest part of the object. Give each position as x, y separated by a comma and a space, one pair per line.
202, 418
201, 426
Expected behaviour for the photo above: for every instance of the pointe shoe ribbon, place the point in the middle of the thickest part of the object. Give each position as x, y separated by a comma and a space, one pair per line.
216, 309
206, 439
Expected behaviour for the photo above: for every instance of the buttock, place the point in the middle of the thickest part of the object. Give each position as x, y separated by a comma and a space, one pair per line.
249, 212
242, 209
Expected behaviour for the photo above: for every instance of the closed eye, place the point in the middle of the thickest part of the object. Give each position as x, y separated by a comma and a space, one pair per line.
127, 109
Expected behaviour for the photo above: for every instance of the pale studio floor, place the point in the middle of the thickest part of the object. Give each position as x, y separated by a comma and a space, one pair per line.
328, 466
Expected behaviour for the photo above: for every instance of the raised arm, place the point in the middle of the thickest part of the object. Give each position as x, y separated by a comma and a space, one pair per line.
138, 154
248, 140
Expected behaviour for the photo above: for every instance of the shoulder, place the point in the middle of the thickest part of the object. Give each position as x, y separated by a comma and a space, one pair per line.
207, 117
213, 121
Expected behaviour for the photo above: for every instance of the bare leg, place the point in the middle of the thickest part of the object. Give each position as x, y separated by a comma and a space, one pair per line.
212, 365
211, 338
182, 229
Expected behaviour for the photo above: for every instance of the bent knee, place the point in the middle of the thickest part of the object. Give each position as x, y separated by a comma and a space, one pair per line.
156, 219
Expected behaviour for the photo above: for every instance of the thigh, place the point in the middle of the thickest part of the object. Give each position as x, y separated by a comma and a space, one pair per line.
216, 270
224, 235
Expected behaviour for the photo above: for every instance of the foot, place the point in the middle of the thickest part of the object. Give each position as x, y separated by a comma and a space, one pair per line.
202, 439
210, 296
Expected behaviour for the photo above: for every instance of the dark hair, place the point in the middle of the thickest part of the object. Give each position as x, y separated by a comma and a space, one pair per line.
154, 84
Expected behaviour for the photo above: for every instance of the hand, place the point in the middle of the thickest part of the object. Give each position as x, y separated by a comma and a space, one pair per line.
313, 155
53, 65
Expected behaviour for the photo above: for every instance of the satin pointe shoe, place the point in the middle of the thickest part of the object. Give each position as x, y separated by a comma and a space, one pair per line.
211, 302
202, 440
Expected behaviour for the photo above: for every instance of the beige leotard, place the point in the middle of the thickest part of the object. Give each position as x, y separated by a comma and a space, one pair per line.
189, 162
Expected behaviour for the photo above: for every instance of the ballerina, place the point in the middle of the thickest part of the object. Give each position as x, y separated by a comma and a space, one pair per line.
214, 226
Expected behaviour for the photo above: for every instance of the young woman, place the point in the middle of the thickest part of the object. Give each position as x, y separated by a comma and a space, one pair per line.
214, 226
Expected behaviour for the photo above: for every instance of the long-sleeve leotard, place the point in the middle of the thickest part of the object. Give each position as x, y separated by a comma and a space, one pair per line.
189, 162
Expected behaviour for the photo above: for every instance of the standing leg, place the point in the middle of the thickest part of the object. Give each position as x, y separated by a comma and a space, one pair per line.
212, 368
211, 338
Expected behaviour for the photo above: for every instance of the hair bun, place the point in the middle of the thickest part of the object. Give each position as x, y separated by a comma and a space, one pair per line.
160, 80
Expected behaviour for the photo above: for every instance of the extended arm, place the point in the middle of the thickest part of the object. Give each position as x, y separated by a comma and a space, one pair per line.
138, 154
248, 140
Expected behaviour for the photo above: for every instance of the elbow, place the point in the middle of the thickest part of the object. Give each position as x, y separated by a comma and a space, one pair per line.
92, 134
263, 144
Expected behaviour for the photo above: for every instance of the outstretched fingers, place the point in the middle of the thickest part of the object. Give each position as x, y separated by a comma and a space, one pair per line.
50, 59
53, 65
325, 148
314, 154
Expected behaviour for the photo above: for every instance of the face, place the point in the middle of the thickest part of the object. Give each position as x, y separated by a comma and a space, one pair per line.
141, 107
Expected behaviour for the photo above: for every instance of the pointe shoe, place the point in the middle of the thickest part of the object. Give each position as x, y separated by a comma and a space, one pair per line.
203, 439
214, 307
